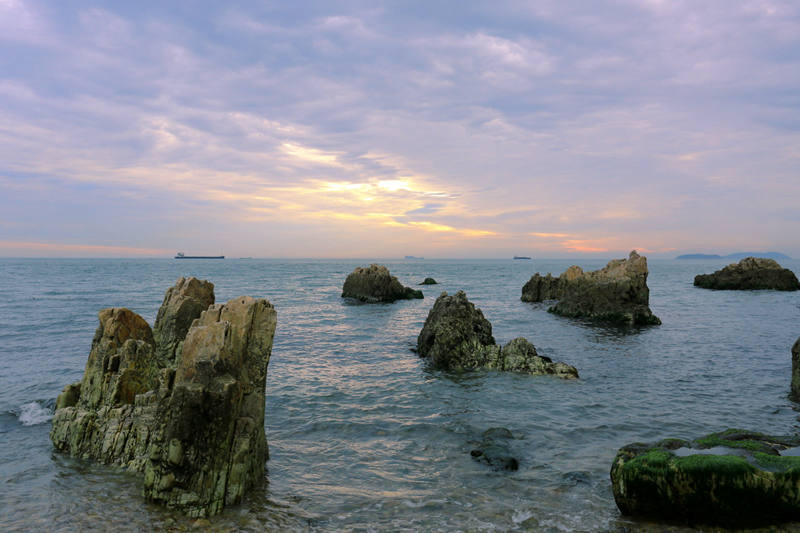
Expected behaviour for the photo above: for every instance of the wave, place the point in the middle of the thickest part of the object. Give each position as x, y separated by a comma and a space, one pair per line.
33, 413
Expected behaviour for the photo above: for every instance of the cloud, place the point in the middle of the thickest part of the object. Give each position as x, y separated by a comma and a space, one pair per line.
571, 128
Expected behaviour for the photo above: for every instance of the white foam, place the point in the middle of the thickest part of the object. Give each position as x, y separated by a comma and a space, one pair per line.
520, 516
33, 413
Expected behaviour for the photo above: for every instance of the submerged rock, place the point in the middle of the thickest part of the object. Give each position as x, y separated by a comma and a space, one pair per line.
751, 273
429, 281
194, 426
456, 336
733, 478
616, 293
494, 450
795, 393
375, 284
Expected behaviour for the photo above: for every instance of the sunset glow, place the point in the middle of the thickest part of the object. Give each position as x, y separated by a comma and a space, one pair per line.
353, 125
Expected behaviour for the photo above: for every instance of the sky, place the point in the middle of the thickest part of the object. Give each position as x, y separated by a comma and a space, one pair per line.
384, 129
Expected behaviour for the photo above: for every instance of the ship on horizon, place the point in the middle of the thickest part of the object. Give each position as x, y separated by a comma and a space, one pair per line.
181, 255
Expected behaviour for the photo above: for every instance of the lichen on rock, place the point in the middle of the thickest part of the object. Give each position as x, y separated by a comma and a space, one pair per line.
751, 273
616, 293
374, 284
456, 336
795, 391
732, 478
194, 425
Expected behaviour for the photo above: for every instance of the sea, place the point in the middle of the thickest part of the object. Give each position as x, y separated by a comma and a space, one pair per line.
363, 435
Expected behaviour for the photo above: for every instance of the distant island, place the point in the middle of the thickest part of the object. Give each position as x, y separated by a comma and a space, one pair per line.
521, 257
413, 257
737, 255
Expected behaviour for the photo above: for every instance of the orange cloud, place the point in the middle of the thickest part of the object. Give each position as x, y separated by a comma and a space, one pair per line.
582, 246
96, 249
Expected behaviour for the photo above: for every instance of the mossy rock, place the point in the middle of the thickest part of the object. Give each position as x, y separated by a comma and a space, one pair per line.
732, 478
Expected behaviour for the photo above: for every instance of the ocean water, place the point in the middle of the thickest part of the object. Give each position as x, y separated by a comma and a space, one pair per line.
363, 436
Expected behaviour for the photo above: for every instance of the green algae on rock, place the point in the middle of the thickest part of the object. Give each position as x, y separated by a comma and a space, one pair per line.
429, 281
616, 293
374, 284
751, 273
732, 478
795, 392
456, 336
193, 425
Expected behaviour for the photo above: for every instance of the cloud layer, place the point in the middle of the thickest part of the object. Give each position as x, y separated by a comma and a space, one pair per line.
360, 130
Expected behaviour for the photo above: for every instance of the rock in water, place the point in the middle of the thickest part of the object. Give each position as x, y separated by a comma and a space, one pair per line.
751, 273
212, 446
456, 336
195, 426
375, 284
540, 288
616, 293
182, 304
734, 478
494, 450
429, 281
795, 394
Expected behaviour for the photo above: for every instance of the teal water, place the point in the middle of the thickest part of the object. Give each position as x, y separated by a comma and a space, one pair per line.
364, 437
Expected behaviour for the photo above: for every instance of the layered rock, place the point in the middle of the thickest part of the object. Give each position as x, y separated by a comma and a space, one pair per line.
795, 392
182, 304
194, 426
456, 336
616, 293
374, 284
212, 445
751, 273
734, 478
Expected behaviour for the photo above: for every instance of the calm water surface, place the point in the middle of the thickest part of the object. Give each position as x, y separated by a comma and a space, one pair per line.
364, 437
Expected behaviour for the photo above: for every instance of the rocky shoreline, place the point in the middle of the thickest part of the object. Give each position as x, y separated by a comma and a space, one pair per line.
183, 402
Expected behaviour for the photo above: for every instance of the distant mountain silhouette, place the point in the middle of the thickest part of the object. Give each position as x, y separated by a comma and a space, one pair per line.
737, 255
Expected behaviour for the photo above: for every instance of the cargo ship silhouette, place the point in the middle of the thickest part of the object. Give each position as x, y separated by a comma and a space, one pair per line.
181, 255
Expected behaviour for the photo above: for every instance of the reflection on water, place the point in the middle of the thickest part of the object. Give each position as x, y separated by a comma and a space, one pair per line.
363, 435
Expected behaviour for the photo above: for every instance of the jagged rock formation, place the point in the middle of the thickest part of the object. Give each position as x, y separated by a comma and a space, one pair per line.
540, 288
194, 426
429, 281
795, 393
375, 284
751, 273
182, 304
616, 293
456, 336
735, 478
